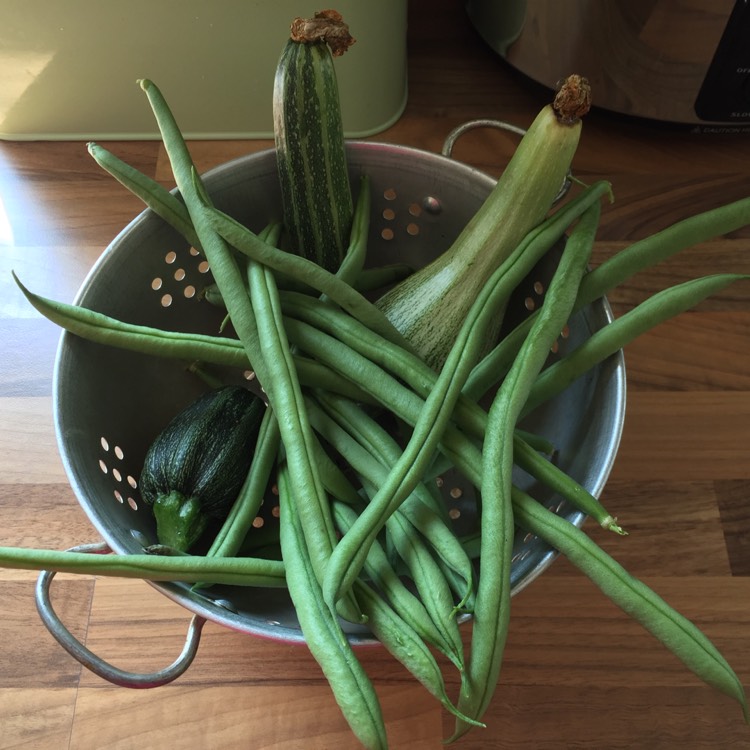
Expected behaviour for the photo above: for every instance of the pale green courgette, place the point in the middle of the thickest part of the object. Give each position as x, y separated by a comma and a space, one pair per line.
430, 306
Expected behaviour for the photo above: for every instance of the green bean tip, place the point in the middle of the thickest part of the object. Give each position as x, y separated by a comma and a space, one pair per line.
610, 524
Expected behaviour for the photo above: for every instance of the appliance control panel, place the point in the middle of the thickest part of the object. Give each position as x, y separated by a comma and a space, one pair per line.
725, 93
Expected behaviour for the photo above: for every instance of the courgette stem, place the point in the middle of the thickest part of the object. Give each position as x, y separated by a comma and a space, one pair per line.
180, 521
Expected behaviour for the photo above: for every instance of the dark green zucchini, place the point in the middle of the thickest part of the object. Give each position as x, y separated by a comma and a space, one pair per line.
316, 194
194, 469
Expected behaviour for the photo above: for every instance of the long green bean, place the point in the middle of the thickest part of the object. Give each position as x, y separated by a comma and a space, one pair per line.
676, 632
349, 682
224, 267
288, 403
104, 329
235, 571
189, 347
231, 535
492, 604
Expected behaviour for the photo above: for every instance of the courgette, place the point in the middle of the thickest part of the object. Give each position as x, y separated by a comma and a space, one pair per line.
430, 306
308, 132
194, 469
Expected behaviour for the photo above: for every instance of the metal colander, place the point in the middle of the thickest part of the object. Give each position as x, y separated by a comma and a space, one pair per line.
109, 403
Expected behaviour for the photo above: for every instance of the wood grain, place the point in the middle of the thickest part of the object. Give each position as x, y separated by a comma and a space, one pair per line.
578, 673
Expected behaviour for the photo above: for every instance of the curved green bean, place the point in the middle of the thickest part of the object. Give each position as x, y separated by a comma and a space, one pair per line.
160, 200
613, 272
611, 338
349, 682
231, 535
104, 329
676, 632
190, 347
406, 646
285, 395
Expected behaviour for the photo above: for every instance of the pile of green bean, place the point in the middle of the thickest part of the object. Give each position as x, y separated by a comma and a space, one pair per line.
330, 363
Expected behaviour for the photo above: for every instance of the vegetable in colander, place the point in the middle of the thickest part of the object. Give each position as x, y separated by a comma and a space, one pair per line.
194, 469
430, 306
309, 136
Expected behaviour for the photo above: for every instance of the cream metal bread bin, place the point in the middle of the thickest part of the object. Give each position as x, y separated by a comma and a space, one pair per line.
68, 68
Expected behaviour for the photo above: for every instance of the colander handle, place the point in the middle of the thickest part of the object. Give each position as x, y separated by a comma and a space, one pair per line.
90, 660
465, 127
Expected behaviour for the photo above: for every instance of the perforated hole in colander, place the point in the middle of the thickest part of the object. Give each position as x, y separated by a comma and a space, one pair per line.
113, 463
181, 275
401, 213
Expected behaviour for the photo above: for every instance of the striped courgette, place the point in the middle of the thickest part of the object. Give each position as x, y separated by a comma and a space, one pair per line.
309, 136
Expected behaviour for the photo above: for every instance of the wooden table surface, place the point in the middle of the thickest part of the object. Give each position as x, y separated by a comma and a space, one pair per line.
578, 673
